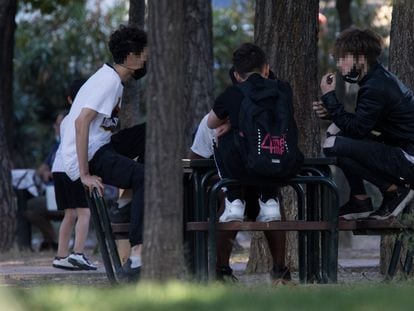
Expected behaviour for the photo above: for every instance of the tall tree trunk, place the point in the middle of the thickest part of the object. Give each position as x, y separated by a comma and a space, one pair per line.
7, 27
132, 104
198, 43
287, 31
402, 64
343, 8
7, 201
163, 237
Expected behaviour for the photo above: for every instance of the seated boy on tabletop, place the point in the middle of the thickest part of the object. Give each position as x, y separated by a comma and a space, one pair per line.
384, 105
202, 147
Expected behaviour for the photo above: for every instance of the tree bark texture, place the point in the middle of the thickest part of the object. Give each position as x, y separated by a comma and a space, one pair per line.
132, 101
198, 42
287, 32
7, 200
402, 64
343, 8
163, 237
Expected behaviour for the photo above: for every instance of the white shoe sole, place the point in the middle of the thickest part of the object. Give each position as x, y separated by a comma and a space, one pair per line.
228, 219
400, 206
65, 267
356, 216
80, 265
268, 219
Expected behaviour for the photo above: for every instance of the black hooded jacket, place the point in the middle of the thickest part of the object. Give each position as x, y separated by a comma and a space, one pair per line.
384, 104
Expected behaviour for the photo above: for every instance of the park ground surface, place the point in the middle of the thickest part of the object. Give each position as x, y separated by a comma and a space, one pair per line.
358, 262
29, 282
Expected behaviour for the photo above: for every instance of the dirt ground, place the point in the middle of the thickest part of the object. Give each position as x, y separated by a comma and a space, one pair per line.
358, 262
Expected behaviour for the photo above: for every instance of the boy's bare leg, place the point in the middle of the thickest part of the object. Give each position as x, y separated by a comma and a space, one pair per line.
81, 229
65, 232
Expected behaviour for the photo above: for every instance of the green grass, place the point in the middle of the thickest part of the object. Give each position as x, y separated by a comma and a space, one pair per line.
187, 296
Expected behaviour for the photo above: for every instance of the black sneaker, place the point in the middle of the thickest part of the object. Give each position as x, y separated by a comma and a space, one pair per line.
355, 209
280, 274
120, 215
393, 203
225, 274
128, 274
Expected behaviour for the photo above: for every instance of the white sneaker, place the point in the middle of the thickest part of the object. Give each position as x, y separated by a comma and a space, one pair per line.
233, 211
80, 261
269, 211
63, 263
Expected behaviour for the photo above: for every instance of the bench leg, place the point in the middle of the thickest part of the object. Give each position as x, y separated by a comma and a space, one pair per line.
301, 235
392, 268
408, 263
102, 211
100, 235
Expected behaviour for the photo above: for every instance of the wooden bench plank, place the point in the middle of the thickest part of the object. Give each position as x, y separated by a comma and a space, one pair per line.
370, 226
120, 227
289, 225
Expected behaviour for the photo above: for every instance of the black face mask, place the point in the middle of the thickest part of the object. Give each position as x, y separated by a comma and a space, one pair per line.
139, 73
352, 76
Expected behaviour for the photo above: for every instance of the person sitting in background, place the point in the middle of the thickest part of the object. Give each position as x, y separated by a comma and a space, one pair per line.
37, 206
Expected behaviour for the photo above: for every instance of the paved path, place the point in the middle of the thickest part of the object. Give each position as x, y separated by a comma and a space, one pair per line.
357, 263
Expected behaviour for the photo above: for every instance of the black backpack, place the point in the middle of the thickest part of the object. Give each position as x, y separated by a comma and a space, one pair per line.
267, 136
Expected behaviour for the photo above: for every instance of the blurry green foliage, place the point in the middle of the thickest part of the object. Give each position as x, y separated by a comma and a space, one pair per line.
365, 14
55, 42
58, 41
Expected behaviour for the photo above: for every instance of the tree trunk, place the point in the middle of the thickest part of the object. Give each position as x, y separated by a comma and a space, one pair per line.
343, 8
198, 43
163, 237
7, 28
402, 64
132, 104
7, 201
287, 31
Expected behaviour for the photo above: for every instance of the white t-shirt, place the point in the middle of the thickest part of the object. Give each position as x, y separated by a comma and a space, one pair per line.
204, 140
101, 93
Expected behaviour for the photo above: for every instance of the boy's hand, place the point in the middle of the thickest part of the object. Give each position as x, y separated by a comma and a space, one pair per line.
223, 129
328, 83
320, 110
93, 181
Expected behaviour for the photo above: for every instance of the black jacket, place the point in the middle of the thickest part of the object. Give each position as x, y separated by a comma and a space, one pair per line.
384, 104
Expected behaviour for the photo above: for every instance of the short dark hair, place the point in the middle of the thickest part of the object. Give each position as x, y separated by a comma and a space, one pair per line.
248, 58
74, 87
358, 42
125, 40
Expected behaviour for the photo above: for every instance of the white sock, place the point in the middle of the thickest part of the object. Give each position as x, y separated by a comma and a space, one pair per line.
135, 261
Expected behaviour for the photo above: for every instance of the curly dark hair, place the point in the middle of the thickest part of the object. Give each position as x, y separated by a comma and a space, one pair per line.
358, 42
248, 58
125, 40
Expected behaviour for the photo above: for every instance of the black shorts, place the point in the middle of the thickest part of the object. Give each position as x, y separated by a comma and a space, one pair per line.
68, 193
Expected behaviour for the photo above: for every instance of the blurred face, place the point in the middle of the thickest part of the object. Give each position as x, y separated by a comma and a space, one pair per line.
352, 68
346, 63
136, 61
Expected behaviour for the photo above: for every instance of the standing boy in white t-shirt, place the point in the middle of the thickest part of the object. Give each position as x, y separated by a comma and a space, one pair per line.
70, 198
90, 151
